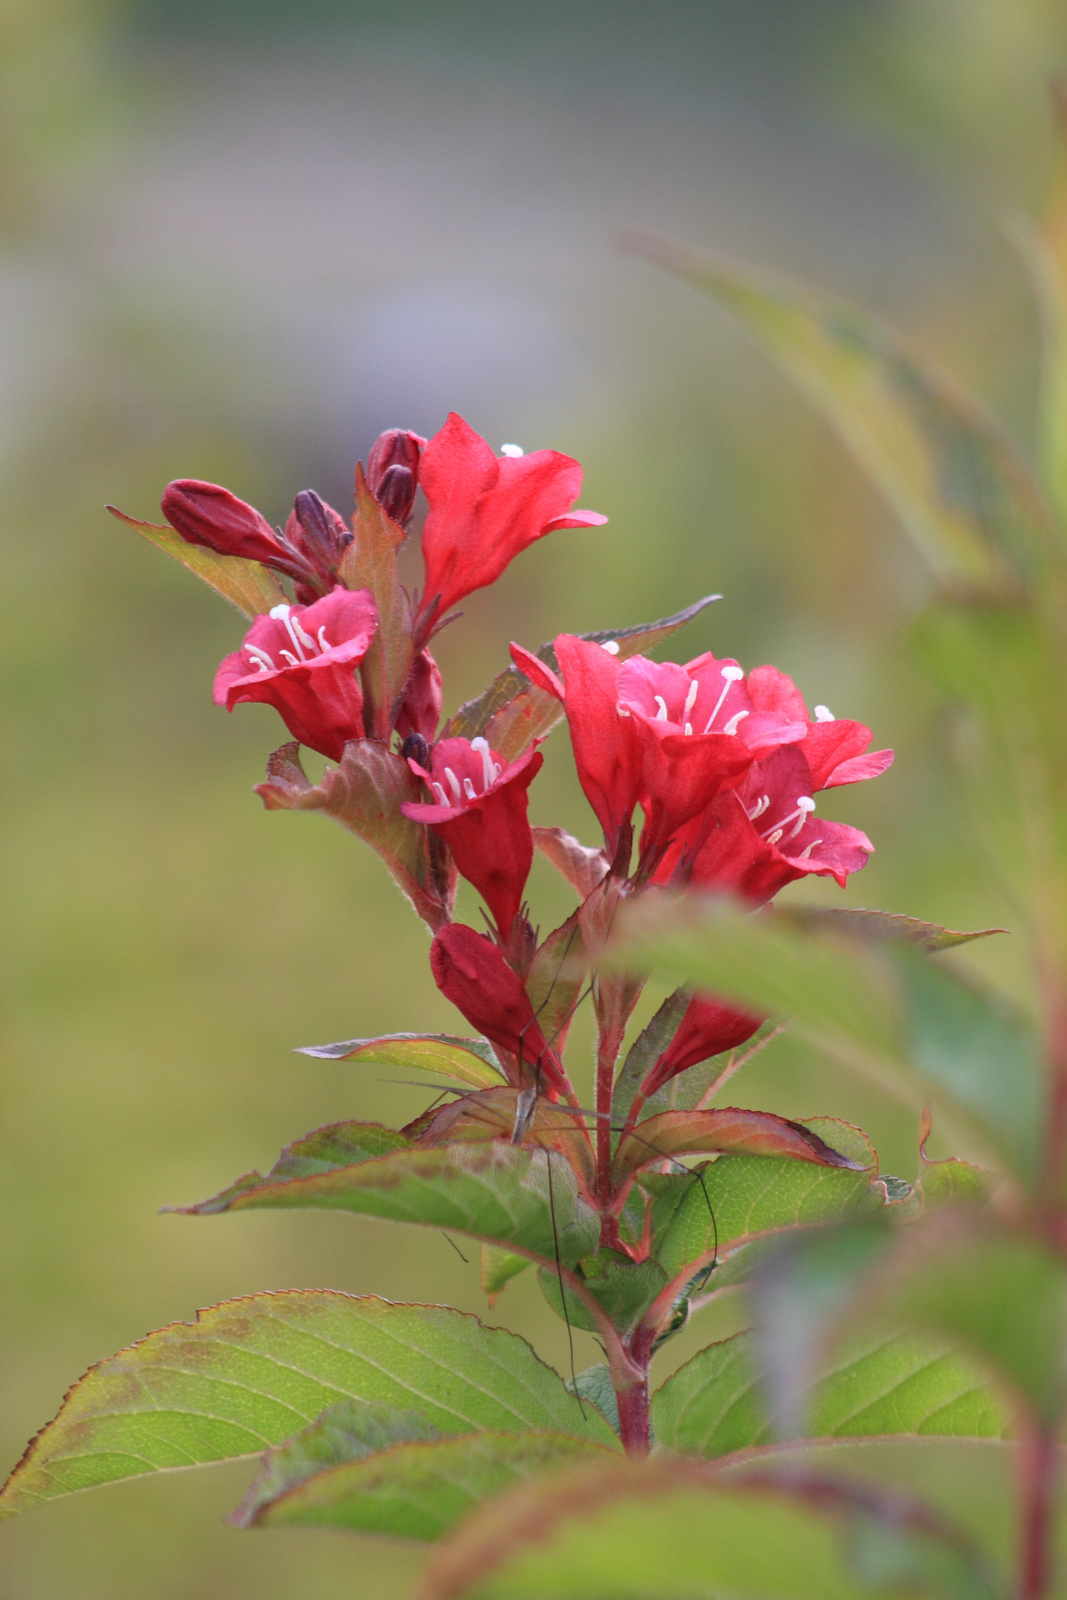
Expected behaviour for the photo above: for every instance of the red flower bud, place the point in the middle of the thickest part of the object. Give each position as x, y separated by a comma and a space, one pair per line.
319, 532
706, 1030
470, 971
205, 514
421, 710
393, 472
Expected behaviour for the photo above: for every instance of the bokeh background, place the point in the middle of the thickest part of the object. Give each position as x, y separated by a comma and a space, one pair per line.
239, 238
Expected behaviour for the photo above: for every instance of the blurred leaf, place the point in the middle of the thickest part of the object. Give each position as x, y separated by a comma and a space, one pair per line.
875, 1003
928, 936
645, 1051
740, 1197
595, 1388
413, 1489
498, 1267
696, 1087
470, 1061
892, 1385
492, 1191
370, 563
364, 793
949, 1182
757, 1133
250, 1372
623, 1289
512, 713
959, 486
248, 585
1045, 250
638, 1531
555, 980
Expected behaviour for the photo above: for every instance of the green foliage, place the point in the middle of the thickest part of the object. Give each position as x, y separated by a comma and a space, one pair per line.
470, 1061
250, 587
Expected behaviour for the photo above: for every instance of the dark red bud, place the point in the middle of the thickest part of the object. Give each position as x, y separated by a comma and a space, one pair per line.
205, 514
415, 748
322, 532
393, 472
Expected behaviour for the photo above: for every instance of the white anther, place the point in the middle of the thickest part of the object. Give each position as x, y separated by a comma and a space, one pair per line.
798, 817
440, 793
731, 726
294, 661
301, 633
280, 613
260, 658
805, 854
453, 783
661, 714
294, 630
468, 789
733, 674
621, 711
513, 450
611, 646
775, 836
759, 808
691, 698
823, 714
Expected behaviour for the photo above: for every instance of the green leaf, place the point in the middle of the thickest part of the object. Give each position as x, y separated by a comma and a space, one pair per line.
330, 1149
875, 1003
416, 1486
370, 563
498, 1267
639, 1531
595, 1388
492, 1191
670, 1134
250, 1372
889, 1385
623, 1289
248, 585
512, 713
738, 1198
645, 1051
557, 974
470, 1061
928, 936
961, 490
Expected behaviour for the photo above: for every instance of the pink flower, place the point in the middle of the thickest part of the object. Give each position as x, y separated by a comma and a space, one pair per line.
302, 661
481, 814
484, 511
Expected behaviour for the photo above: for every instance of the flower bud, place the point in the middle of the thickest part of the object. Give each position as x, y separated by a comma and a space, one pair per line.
321, 531
206, 514
415, 748
393, 472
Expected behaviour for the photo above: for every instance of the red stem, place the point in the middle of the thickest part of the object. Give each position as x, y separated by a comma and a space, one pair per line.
633, 1419
608, 1047
1037, 1475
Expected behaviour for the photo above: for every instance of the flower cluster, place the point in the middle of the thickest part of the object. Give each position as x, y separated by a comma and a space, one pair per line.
702, 777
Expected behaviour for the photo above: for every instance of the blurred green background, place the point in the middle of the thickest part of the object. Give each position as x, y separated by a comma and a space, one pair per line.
239, 238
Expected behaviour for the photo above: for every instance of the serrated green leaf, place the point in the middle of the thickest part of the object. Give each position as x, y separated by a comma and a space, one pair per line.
623, 1289
928, 936
670, 1134
738, 1198
497, 1269
898, 1385
341, 1145
248, 585
645, 1051
594, 1387
512, 713
416, 1487
250, 1372
960, 488
470, 1061
642, 1530
493, 1191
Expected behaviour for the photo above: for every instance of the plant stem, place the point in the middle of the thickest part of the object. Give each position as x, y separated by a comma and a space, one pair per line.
606, 1056
1037, 1475
633, 1419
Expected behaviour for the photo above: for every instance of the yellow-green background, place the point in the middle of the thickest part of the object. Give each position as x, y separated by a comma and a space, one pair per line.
238, 239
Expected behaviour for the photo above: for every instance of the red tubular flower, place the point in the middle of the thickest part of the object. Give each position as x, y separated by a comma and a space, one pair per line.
607, 751
484, 511
393, 472
470, 971
706, 1030
205, 514
481, 814
755, 841
302, 660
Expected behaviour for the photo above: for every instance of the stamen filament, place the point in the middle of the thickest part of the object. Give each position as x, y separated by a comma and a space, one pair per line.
731, 675
453, 783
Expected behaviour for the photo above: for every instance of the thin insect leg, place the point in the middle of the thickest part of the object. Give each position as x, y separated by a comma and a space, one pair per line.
455, 1247
559, 1277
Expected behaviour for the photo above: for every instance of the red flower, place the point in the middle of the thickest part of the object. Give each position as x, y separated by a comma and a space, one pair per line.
302, 660
484, 511
470, 971
607, 751
765, 835
706, 1030
205, 514
393, 472
421, 710
481, 815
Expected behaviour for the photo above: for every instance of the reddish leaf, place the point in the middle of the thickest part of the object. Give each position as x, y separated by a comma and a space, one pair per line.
755, 1133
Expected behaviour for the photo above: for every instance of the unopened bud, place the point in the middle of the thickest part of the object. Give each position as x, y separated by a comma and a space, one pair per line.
416, 749
323, 534
393, 472
206, 514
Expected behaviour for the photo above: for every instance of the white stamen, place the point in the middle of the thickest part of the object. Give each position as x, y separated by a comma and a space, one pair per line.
611, 646
775, 836
661, 714
688, 727
732, 675
324, 643
289, 656
731, 726
621, 711
691, 698
294, 630
440, 793
468, 789
805, 854
260, 658
513, 450
453, 783
805, 804
823, 714
759, 808
280, 613
490, 771
495, 769
302, 634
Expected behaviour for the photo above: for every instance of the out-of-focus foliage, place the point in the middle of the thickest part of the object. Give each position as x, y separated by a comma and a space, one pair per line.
190, 282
